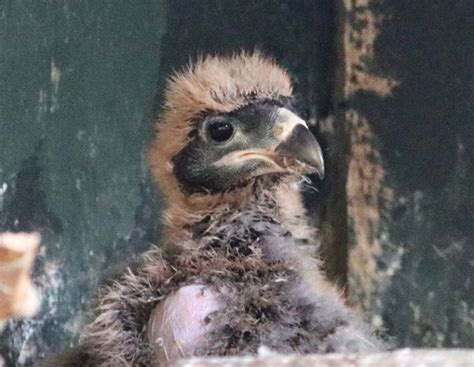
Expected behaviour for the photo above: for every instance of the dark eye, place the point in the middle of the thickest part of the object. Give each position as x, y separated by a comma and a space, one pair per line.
220, 131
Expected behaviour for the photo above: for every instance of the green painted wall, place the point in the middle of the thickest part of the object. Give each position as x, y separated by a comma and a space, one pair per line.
78, 81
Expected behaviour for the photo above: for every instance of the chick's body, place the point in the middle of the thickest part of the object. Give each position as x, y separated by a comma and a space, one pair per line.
268, 293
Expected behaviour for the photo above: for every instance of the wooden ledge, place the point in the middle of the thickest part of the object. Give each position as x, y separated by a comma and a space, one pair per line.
397, 358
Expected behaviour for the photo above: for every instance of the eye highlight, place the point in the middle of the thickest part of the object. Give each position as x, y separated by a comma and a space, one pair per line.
220, 131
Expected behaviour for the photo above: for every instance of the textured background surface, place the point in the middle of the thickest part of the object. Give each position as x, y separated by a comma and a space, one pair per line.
78, 82
390, 82
409, 106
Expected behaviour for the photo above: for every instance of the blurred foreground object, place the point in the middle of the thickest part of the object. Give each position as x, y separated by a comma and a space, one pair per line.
17, 295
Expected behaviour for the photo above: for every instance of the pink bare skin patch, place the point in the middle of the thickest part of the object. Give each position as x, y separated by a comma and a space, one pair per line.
179, 324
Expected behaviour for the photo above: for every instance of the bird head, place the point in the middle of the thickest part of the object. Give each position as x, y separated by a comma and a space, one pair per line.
227, 121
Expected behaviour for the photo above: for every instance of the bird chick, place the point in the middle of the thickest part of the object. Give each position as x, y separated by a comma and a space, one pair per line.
228, 278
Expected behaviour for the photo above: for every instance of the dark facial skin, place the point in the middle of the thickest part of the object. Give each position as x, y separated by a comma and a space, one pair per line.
216, 135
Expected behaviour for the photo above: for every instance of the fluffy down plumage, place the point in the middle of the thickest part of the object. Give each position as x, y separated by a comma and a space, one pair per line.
244, 243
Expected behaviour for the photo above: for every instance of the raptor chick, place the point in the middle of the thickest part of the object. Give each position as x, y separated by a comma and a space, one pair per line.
229, 156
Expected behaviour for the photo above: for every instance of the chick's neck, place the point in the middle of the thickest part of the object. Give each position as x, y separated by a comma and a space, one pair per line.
263, 200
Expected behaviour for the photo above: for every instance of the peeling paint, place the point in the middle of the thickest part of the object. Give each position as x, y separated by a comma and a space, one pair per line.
3, 190
42, 105
360, 32
55, 77
49, 285
366, 195
409, 202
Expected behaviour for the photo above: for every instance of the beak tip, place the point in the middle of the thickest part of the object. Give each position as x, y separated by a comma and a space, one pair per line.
320, 172
320, 168
303, 146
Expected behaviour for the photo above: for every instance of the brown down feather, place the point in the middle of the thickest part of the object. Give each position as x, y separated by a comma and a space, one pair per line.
244, 244
213, 83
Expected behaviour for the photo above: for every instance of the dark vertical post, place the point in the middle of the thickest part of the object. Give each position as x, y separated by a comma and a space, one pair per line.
407, 104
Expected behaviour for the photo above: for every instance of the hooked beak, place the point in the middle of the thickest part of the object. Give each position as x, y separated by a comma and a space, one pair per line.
295, 150
302, 146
